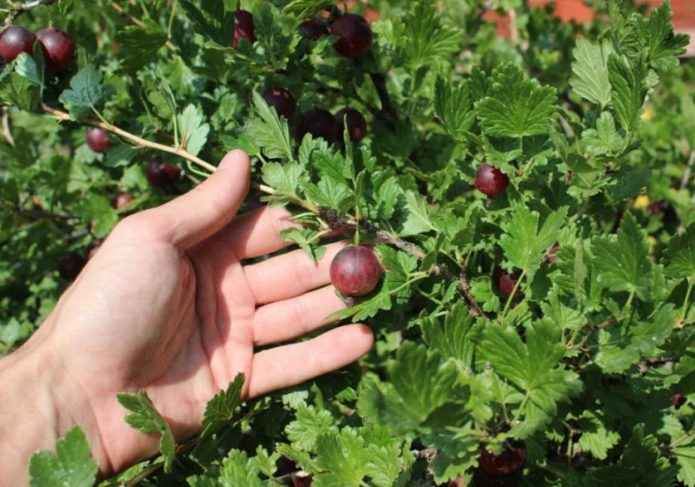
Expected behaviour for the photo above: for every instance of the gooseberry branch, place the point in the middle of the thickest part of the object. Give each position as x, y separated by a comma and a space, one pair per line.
334, 221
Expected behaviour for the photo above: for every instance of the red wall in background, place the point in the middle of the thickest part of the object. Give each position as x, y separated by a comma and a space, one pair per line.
683, 15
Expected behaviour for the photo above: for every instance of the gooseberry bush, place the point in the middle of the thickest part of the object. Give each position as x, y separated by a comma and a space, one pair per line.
522, 211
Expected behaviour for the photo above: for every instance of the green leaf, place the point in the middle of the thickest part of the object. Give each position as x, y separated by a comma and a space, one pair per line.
85, 93
622, 260
681, 255
119, 155
97, 208
604, 140
664, 46
590, 71
454, 107
331, 193
595, 437
628, 94
481, 288
641, 464
302, 9
516, 107
146, 418
27, 67
140, 44
524, 245
286, 179
622, 347
308, 425
308, 240
71, 465
418, 386
212, 20
341, 460
221, 409
162, 100
19, 91
428, 39
269, 131
684, 451
454, 337
417, 220
237, 469
534, 368
194, 131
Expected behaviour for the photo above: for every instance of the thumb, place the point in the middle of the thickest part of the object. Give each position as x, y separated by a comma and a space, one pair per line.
208, 207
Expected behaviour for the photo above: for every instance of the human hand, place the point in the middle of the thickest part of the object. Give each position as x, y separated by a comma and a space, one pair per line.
167, 306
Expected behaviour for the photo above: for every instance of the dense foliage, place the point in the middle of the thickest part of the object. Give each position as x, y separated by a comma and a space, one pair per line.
533, 331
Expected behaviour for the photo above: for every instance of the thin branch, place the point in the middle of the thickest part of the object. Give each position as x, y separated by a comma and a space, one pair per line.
24, 7
6, 126
144, 474
466, 290
139, 141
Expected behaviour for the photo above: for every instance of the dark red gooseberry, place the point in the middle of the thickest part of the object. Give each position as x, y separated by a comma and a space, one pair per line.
70, 265
280, 99
98, 139
354, 35
121, 200
355, 270
243, 27
666, 210
490, 180
356, 124
312, 29
506, 463
319, 123
303, 481
161, 174
678, 399
58, 49
506, 283
15, 40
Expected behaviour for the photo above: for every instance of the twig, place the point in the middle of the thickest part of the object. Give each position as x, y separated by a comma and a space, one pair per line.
139, 141
680, 440
6, 128
567, 128
601, 326
137, 22
466, 290
144, 474
23, 7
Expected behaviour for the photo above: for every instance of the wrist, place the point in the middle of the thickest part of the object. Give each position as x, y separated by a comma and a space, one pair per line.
39, 404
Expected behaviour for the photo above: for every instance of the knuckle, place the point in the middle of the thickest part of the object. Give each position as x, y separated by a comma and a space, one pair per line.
139, 224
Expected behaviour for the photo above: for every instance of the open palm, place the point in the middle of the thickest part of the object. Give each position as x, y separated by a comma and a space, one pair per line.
166, 305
